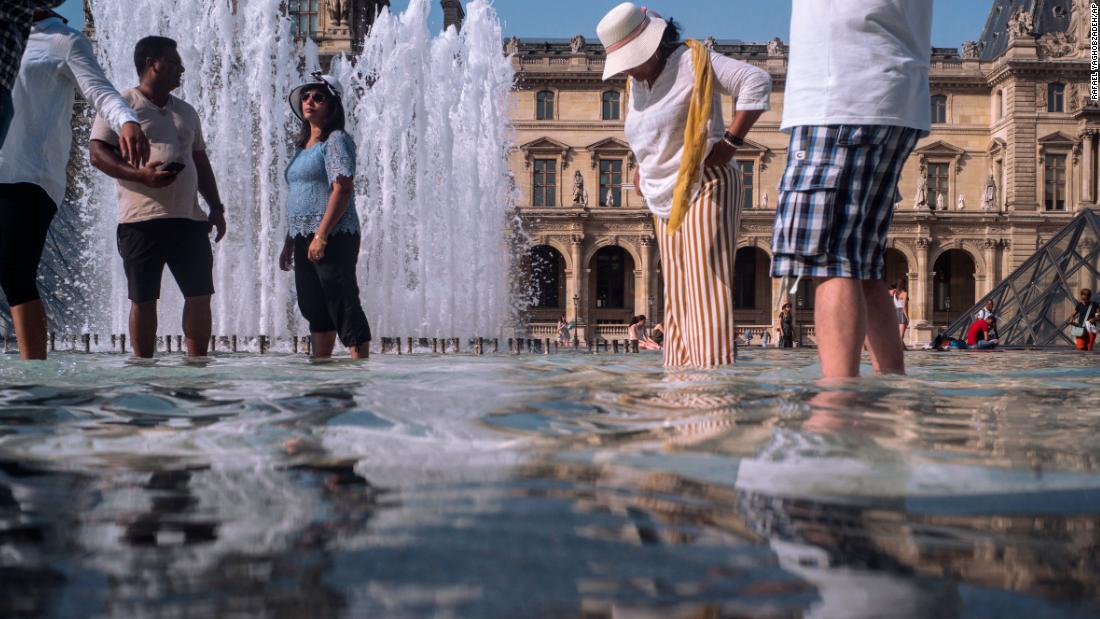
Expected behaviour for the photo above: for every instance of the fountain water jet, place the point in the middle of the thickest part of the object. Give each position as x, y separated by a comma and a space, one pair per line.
429, 115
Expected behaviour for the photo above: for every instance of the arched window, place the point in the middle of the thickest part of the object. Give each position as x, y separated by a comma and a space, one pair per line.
611, 273
544, 105
953, 285
939, 109
547, 272
611, 105
1056, 97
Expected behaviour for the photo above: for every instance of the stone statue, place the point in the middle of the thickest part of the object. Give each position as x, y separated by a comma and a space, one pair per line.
920, 198
576, 44
609, 200
989, 195
580, 196
971, 50
512, 48
338, 11
776, 47
960, 205
710, 43
940, 206
764, 201
1021, 24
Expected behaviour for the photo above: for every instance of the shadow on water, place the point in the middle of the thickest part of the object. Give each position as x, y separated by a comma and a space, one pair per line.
549, 487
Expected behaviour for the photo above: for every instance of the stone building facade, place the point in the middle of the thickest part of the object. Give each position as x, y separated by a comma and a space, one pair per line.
1011, 158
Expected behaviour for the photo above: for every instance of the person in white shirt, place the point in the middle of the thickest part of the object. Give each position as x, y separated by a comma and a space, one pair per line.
35, 155
856, 102
696, 207
16, 17
160, 222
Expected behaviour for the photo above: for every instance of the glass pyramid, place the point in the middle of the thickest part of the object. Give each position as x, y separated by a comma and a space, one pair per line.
1033, 303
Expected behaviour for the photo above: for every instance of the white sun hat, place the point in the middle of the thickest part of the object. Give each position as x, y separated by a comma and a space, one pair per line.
631, 35
328, 82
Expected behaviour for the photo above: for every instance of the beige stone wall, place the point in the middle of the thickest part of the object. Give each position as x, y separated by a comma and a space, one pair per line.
997, 121
975, 141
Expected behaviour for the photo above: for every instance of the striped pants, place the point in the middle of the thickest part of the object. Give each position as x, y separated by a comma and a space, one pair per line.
697, 266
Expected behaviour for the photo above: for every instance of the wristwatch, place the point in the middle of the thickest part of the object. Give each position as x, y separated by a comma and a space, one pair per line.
733, 140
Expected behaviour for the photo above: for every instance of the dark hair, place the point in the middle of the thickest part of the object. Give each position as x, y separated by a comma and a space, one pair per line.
334, 122
892, 287
636, 319
670, 40
151, 48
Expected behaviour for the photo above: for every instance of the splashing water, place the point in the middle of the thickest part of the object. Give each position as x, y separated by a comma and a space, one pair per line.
429, 117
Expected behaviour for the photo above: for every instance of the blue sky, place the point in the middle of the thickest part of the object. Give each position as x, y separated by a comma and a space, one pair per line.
749, 20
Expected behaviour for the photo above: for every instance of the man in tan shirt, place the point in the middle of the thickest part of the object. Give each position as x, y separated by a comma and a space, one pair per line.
160, 222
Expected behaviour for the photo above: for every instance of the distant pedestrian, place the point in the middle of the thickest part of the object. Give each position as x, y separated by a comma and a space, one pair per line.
563, 330
1085, 316
901, 309
786, 327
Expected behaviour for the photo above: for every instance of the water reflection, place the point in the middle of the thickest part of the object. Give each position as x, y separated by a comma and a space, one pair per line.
549, 487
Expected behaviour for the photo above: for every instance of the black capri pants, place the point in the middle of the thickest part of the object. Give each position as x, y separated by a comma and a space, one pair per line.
328, 292
26, 211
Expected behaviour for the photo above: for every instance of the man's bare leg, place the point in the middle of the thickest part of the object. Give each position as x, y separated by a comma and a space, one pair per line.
362, 351
840, 317
143, 329
30, 329
197, 325
883, 339
323, 342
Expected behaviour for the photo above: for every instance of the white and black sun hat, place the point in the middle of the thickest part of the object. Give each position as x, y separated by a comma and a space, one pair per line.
328, 82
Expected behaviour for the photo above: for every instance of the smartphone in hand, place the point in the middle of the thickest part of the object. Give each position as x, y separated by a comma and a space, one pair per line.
174, 167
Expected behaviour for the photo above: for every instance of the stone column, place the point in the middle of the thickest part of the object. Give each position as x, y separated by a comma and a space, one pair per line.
643, 283
992, 275
1087, 163
920, 297
578, 306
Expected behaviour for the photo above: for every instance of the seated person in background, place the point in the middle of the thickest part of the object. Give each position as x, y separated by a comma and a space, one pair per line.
658, 335
987, 312
978, 335
637, 333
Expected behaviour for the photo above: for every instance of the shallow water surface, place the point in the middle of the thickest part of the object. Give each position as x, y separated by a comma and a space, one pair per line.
556, 486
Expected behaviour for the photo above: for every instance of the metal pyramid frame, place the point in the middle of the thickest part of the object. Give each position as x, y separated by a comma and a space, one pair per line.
1034, 301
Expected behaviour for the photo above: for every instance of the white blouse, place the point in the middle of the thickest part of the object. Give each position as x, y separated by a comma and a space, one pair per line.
656, 116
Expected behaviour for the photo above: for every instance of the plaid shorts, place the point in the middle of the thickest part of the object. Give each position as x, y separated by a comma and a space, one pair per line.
836, 200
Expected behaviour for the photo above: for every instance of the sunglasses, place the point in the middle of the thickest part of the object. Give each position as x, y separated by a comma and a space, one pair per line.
317, 96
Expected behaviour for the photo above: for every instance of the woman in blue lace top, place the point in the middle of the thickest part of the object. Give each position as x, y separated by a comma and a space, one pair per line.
322, 241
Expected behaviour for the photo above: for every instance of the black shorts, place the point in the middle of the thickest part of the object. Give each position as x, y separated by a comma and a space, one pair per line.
26, 211
328, 290
182, 244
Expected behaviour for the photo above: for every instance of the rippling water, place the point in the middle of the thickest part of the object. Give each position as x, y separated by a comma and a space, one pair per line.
560, 486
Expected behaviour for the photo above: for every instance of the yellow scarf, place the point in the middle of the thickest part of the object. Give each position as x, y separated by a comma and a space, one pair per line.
695, 134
